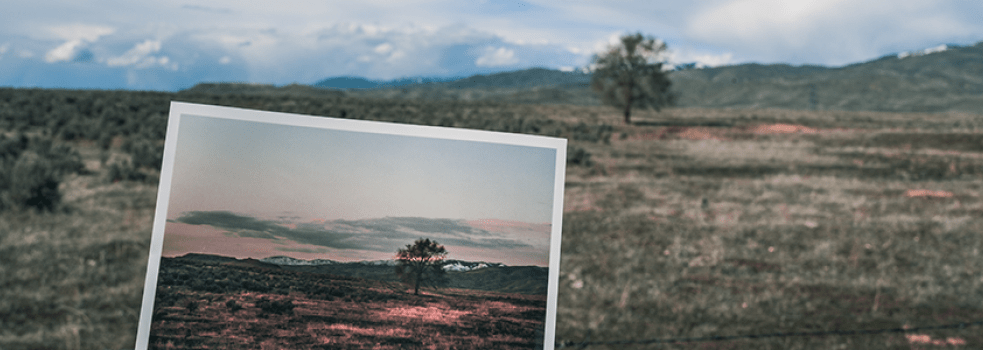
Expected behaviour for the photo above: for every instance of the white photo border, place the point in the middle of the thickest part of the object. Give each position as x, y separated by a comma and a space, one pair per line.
179, 109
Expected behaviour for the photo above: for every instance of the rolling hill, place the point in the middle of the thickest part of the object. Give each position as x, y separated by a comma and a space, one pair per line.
939, 81
944, 79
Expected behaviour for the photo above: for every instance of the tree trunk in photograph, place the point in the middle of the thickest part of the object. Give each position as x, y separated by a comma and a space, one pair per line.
419, 276
627, 90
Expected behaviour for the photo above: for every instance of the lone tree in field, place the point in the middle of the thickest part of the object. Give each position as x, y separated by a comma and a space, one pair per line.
422, 263
630, 75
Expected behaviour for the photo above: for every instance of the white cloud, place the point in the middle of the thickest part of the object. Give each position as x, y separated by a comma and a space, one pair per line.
135, 55
84, 32
613, 39
141, 56
383, 49
77, 37
64, 52
224, 60
702, 60
4, 48
831, 32
208, 9
496, 57
396, 55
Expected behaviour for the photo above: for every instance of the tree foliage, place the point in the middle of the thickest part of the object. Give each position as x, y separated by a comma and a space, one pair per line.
422, 263
630, 75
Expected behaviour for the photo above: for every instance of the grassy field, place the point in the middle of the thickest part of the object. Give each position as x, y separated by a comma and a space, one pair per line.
691, 223
793, 222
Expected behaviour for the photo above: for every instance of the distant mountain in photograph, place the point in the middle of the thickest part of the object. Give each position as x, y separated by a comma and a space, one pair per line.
450, 265
485, 276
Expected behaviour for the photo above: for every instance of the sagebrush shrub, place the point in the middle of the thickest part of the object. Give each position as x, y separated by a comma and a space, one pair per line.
233, 305
578, 156
284, 307
124, 171
192, 305
31, 169
146, 154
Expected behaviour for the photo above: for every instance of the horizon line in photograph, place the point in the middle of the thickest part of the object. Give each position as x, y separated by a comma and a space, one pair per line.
241, 236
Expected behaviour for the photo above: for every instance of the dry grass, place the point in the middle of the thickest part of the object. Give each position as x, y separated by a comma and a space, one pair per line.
73, 279
802, 229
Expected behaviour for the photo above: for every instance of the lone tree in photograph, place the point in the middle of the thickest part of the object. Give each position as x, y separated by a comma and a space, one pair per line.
630, 75
422, 263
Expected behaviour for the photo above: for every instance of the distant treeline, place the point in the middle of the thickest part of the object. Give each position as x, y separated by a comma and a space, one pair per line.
101, 115
135, 122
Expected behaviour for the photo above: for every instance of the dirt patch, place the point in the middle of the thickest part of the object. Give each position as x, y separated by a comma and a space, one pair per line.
927, 194
771, 129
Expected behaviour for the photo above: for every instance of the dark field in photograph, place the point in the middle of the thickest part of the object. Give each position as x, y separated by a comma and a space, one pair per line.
689, 223
212, 302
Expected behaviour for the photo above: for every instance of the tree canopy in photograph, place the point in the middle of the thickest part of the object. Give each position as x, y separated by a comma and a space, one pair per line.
630, 74
422, 263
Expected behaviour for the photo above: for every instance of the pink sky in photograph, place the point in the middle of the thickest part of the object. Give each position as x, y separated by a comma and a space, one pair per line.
249, 189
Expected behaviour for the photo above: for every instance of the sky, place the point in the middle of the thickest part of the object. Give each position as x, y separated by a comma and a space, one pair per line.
254, 190
173, 44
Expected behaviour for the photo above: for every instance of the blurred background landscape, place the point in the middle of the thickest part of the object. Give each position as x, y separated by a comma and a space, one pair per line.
814, 174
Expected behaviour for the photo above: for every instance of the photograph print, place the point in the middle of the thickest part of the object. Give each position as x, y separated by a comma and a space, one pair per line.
281, 231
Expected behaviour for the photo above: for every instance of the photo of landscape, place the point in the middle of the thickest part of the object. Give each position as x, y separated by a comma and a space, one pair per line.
288, 236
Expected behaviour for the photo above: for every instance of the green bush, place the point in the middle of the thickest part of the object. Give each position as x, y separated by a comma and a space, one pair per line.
145, 153
578, 156
284, 307
124, 171
31, 169
233, 305
192, 305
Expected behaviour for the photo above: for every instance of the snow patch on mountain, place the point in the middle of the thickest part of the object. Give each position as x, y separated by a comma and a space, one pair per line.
464, 266
449, 265
286, 260
378, 262
927, 51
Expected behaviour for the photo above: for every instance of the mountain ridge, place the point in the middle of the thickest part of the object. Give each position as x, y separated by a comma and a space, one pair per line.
494, 277
449, 265
945, 78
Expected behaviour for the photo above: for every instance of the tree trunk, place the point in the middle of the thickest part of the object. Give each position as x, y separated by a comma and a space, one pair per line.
419, 275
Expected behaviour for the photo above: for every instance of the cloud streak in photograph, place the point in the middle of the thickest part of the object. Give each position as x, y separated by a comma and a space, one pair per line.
371, 236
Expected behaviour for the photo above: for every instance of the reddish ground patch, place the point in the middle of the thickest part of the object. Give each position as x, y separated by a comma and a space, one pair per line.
699, 133
925, 339
927, 194
679, 132
769, 129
